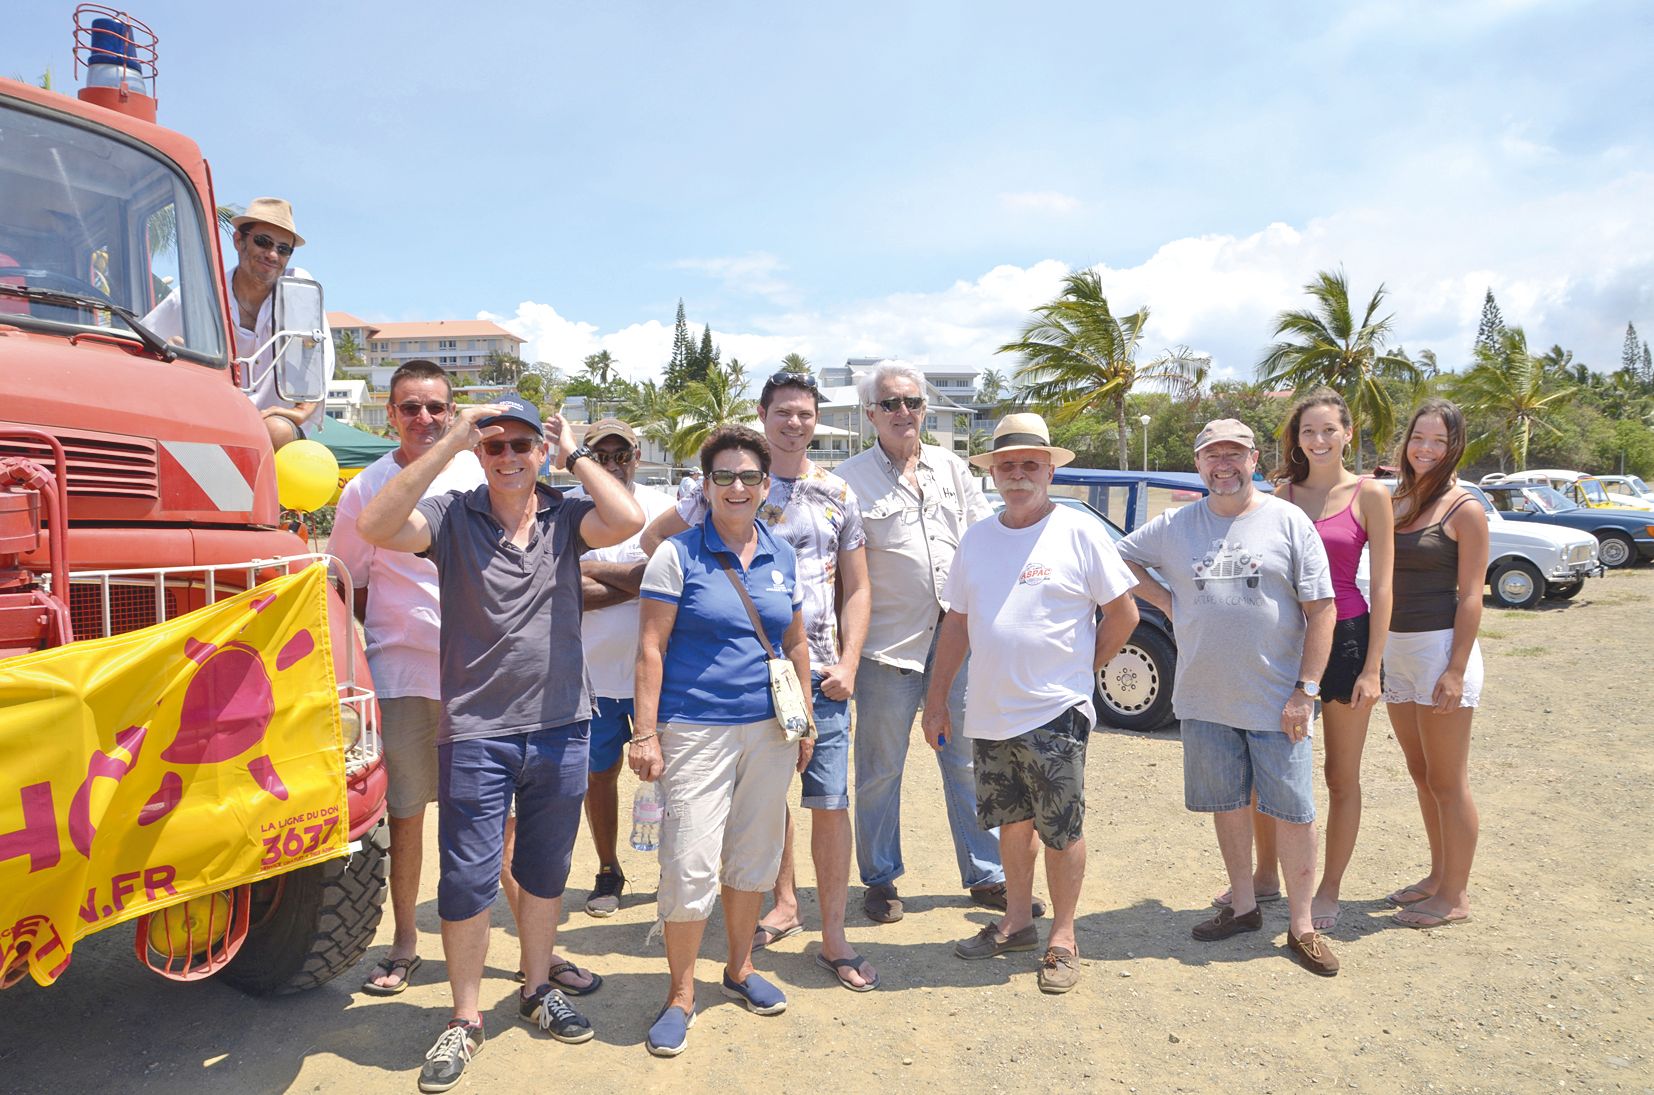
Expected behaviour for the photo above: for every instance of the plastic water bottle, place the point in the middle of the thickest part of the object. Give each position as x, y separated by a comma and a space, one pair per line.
646, 813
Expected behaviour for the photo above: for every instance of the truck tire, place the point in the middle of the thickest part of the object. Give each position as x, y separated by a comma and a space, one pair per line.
1134, 691
312, 924
1516, 583
1615, 549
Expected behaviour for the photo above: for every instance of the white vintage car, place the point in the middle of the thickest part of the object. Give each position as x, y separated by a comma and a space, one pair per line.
1590, 491
1526, 562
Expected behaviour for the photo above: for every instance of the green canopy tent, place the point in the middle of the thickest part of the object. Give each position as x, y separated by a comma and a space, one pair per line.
351, 447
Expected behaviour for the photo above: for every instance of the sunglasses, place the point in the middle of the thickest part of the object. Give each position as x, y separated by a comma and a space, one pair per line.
516, 444
897, 402
723, 477
784, 379
411, 409
265, 243
617, 459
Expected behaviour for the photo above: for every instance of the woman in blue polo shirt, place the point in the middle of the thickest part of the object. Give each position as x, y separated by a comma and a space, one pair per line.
705, 726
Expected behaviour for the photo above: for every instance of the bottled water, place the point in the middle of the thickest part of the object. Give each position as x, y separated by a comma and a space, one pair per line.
646, 813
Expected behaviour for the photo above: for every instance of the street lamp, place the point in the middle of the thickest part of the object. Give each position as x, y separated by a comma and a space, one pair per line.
1145, 421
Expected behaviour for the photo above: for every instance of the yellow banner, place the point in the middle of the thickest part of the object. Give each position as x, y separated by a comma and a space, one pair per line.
148, 768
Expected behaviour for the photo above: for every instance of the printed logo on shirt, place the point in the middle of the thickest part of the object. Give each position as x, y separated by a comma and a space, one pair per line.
1033, 574
1227, 574
778, 581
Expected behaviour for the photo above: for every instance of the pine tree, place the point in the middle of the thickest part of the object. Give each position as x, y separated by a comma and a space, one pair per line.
1492, 325
701, 360
1630, 358
1647, 372
677, 370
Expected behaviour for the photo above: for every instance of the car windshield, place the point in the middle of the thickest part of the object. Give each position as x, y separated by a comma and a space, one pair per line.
1593, 490
88, 219
1638, 485
1550, 500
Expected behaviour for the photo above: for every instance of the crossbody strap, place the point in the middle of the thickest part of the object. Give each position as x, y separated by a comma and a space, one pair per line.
746, 599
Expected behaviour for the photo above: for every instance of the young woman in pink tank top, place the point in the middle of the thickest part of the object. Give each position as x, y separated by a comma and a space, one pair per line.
1349, 512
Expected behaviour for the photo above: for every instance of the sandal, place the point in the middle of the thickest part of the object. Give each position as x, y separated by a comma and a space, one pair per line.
391, 967
1401, 900
837, 966
561, 971
765, 935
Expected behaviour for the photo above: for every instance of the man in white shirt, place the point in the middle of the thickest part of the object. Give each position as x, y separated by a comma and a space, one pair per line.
264, 240
1026, 586
396, 597
609, 581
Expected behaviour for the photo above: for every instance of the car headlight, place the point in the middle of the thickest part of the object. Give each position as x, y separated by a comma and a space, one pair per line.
350, 722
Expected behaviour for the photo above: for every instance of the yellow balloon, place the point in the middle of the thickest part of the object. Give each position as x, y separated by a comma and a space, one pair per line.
307, 475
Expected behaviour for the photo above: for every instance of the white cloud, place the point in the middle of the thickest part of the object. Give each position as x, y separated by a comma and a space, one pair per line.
756, 273
1040, 201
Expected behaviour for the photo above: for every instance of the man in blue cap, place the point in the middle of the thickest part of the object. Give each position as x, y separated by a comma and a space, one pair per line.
516, 711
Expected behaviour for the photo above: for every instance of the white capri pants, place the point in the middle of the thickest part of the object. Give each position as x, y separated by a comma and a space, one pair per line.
1415, 660
725, 793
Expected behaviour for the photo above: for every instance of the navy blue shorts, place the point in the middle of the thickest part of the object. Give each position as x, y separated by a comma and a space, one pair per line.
611, 730
477, 779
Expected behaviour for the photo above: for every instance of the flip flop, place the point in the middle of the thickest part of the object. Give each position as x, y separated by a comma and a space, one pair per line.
1426, 921
837, 966
1226, 898
1326, 923
563, 969
387, 967
1400, 899
764, 935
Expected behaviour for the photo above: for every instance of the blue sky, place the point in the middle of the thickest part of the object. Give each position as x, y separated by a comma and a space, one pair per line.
907, 179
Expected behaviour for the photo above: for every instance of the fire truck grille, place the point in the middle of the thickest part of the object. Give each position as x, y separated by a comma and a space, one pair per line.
99, 466
131, 608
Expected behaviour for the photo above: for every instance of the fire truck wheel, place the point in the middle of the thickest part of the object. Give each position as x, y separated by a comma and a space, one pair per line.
310, 925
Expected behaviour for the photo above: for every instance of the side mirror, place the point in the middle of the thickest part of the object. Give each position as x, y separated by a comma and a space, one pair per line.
300, 341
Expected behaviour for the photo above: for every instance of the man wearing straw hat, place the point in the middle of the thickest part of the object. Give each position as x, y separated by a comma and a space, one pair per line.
265, 238
1027, 586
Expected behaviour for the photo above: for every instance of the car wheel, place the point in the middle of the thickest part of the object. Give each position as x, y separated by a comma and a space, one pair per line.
1516, 583
1134, 691
1563, 591
1615, 549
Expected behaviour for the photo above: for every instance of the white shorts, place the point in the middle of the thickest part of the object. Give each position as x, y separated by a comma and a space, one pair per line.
1415, 660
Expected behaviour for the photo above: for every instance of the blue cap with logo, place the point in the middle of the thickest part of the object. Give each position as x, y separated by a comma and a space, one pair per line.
517, 409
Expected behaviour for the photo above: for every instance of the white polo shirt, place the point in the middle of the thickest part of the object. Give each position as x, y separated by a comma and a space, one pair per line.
609, 635
403, 618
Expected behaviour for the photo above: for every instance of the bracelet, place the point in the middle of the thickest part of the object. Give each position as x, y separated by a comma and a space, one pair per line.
642, 737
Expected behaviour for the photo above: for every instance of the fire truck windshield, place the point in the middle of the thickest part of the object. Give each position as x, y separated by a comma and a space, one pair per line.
87, 217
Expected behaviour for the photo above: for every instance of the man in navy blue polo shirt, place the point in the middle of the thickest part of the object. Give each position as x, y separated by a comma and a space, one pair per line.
516, 713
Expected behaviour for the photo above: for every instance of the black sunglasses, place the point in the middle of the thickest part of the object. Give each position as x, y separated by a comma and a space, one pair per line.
897, 402
784, 378
517, 444
411, 409
617, 459
723, 477
265, 243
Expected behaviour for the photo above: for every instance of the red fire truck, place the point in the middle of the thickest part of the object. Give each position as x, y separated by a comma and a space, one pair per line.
137, 481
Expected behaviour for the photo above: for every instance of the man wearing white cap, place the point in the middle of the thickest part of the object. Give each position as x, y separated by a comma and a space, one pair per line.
265, 238
1251, 594
1027, 586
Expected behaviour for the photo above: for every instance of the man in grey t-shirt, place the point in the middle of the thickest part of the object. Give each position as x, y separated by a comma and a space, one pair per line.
1251, 598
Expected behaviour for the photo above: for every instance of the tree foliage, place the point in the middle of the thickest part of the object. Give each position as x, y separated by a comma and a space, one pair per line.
1491, 327
677, 369
1513, 393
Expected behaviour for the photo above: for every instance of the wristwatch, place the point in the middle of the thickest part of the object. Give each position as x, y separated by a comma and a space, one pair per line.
579, 453
1312, 689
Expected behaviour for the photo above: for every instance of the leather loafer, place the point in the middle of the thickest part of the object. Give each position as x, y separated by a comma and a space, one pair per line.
1313, 954
881, 904
993, 897
1226, 923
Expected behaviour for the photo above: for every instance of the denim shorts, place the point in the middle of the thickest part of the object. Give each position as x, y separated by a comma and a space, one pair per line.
477, 779
827, 776
1223, 765
611, 730
1038, 775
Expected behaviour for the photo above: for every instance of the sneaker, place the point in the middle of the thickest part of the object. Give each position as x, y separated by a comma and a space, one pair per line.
549, 1010
881, 904
1059, 971
1226, 923
604, 900
988, 942
1312, 953
670, 1034
756, 994
446, 1061
993, 897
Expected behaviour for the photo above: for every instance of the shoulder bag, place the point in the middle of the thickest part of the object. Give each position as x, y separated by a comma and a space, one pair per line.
792, 709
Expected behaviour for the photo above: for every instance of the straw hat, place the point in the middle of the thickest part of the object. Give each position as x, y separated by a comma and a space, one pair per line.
272, 211
1022, 431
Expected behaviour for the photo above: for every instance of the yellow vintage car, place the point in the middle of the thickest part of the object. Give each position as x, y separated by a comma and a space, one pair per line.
1583, 490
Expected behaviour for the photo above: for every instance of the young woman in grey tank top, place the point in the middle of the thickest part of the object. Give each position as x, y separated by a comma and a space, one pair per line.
1432, 666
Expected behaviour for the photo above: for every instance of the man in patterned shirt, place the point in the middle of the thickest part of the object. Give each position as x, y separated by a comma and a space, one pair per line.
815, 512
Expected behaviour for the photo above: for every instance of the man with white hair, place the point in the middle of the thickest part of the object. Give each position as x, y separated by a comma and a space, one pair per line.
916, 502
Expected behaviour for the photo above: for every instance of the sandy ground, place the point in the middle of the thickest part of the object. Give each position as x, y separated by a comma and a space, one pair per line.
1547, 989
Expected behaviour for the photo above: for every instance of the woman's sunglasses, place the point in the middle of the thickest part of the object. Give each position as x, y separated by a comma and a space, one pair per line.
723, 477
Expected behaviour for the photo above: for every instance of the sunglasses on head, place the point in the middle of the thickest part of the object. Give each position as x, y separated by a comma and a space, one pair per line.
897, 402
723, 477
265, 243
516, 444
411, 408
617, 459
785, 378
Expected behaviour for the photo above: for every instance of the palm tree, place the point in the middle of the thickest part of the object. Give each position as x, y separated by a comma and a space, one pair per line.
1325, 346
708, 404
1513, 390
795, 363
1079, 359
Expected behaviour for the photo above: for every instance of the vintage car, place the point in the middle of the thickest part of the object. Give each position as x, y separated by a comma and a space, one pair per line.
1628, 491
1226, 561
1623, 536
1585, 490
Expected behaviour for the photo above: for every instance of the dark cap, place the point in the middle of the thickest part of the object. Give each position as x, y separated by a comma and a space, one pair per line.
517, 409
